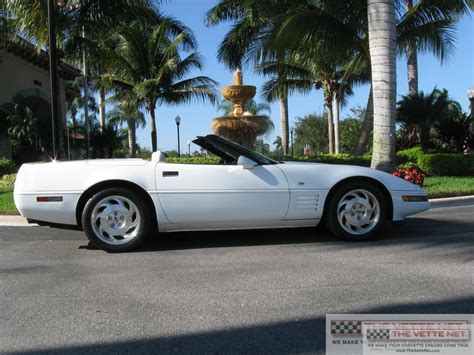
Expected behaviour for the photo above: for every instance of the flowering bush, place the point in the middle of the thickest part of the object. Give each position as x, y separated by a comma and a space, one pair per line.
410, 172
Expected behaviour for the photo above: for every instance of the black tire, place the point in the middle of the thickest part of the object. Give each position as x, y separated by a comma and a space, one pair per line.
340, 228
132, 212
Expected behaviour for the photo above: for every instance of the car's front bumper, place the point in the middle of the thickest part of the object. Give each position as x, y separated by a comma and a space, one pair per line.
403, 206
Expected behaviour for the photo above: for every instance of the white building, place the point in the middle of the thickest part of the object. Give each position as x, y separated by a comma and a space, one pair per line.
23, 71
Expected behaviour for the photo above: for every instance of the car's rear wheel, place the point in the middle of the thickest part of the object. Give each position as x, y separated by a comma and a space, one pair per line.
356, 211
116, 220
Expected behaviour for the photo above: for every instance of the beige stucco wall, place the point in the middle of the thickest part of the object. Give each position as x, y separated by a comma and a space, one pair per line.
17, 75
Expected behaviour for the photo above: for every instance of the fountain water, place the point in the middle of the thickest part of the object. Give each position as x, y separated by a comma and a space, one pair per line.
240, 127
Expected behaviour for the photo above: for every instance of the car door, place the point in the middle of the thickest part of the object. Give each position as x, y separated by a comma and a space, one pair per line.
221, 193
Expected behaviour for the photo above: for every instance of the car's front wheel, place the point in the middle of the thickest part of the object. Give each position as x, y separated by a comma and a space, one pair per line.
116, 220
356, 211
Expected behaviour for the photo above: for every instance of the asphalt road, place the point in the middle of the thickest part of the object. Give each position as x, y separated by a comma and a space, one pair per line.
264, 291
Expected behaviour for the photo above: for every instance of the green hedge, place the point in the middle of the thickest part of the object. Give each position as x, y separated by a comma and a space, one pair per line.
6, 166
326, 158
409, 155
445, 164
193, 160
438, 164
333, 159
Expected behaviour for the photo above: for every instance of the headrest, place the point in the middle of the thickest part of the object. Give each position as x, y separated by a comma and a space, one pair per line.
158, 156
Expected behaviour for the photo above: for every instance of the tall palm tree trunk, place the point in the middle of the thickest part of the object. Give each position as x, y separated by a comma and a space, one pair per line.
335, 102
102, 108
412, 61
61, 128
328, 104
359, 147
382, 44
284, 125
154, 140
132, 137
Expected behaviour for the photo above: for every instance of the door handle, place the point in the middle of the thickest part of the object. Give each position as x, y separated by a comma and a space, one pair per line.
170, 173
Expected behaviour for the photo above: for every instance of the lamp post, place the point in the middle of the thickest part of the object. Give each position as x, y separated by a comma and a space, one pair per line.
189, 148
178, 122
470, 94
291, 134
53, 73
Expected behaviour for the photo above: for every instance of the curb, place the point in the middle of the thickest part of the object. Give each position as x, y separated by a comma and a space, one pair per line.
15, 221
452, 201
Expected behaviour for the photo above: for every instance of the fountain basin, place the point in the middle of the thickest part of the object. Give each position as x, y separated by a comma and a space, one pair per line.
239, 93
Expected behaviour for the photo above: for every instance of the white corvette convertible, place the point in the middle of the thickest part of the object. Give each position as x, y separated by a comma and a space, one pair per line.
120, 202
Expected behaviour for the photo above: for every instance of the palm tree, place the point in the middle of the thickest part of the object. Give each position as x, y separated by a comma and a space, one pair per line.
279, 88
278, 145
124, 113
342, 26
73, 19
382, 44
148, 66
419, 114
433, 21
253, 21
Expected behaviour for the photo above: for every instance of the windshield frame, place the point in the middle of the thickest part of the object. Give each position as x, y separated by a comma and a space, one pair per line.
225, 148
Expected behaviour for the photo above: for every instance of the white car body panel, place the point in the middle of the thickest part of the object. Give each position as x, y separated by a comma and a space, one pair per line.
204, 197
225, 193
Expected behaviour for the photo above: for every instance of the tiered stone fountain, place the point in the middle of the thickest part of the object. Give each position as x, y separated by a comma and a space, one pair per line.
240, 127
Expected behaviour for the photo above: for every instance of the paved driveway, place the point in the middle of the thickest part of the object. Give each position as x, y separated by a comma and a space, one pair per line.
264, 291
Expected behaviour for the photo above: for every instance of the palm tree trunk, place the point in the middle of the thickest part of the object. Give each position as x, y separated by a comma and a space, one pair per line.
102, 108
412, 69
132, 137
61, 127
284, 125
382, 44
335, 102
154, 140
73, 116
359, 148
328, 104
412, 61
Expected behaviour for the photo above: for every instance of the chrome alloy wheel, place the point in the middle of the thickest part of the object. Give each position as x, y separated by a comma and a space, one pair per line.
115, 220
358, 212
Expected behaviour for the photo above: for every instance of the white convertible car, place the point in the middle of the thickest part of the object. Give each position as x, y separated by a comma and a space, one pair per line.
120, 202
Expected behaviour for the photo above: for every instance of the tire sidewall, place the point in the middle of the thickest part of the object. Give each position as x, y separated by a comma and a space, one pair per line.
143, 231
332, 222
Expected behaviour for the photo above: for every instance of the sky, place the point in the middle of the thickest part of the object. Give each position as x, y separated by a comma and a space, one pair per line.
456, 75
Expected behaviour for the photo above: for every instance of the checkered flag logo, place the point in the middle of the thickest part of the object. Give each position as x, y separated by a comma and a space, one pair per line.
378, 334
346, 327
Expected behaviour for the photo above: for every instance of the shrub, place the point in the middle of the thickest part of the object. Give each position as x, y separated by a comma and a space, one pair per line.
333, 159
409, 155
7, 181
442, 164
410, 172
193, 160
326, 158
6, 166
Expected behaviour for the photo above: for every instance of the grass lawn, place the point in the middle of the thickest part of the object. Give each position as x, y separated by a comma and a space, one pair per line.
449, 186
438, 186
6, 201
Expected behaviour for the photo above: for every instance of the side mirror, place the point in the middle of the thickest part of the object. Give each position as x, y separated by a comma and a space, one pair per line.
245, 162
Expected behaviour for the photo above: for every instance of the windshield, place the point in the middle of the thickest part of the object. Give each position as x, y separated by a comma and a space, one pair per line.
231, 151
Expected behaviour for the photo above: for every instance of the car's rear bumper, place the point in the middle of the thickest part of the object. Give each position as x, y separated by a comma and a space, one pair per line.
60, 212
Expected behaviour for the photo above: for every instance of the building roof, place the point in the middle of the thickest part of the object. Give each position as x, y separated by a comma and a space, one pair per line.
26, 51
